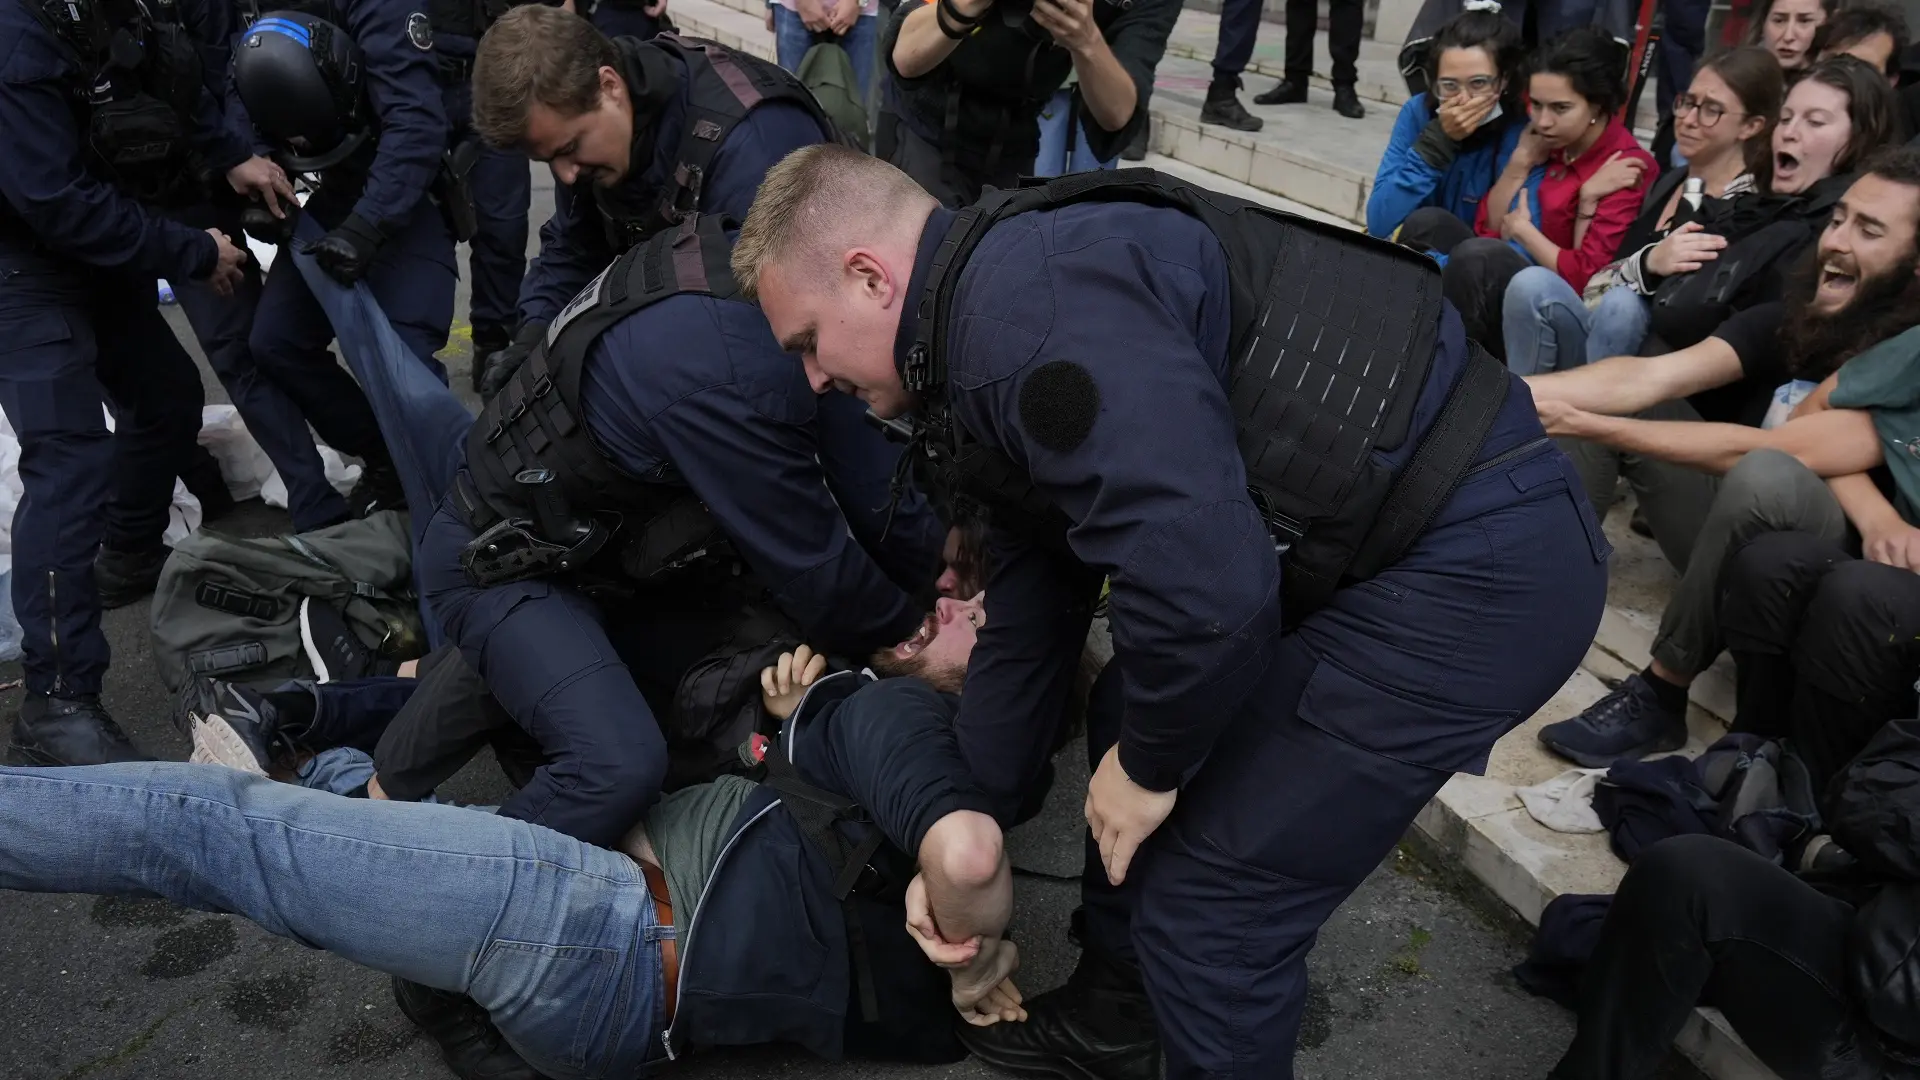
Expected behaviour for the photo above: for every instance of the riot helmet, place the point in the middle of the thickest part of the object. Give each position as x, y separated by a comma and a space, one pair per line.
301, 80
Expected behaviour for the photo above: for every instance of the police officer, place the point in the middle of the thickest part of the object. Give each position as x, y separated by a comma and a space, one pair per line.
624, 18
353, 98
107, 121
1343, 557
642, 132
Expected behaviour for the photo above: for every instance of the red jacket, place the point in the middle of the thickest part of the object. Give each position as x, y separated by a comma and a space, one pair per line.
1558, 201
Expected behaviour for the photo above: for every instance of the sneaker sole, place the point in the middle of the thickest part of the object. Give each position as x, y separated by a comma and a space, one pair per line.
1596, 761
314, 657
216, 743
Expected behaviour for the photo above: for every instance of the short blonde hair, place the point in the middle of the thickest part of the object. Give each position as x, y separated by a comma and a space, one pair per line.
814, 196
536, 53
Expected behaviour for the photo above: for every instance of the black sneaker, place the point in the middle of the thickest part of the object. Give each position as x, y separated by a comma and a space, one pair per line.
1223, 107
233, 726
1346, 102
1626, 725
1096, 1027
469, 1043
68, 731
1284, 92
377, 489
335, 651
122, 577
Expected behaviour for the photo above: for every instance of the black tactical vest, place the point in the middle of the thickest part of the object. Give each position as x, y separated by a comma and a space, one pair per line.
1332, 335
139, 80
544, 498
723, 87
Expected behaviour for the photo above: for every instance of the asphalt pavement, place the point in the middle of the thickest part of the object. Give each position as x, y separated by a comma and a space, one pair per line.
1410, 978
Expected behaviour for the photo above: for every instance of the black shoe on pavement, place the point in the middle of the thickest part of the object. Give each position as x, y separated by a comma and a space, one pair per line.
469, 1043
122, 577
1284, 92
234, 726
68, 731
1346, 102
377, 489
1626, 725
1223, 107
1096, 1027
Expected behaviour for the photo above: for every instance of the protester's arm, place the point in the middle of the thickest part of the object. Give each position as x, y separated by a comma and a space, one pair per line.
1596, 244
920, 45
1513, 176
1885, 536
1620, 385
1831, 443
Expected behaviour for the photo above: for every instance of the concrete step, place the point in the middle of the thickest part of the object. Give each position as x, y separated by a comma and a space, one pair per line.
737, 24
1196, 34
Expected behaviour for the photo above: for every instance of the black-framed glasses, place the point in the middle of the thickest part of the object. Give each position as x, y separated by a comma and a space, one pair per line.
1477, 86
1710, 111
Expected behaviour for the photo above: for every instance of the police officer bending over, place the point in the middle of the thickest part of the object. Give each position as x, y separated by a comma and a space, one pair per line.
1344, 557
107, 124
643, 133
969, 78
351, 98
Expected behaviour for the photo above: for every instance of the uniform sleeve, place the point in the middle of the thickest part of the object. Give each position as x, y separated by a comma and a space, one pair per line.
1138, 38
768, 134
760, 477
1404, 181
1607, 229
42, 176
860, 464
403, 85
572, 250
1156, 485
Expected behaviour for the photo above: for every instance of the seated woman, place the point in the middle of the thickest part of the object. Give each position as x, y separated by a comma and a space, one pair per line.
1592, 179
1450, 144
1721, 124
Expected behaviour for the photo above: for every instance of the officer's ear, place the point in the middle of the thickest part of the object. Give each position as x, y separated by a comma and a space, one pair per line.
871, 275
613, 90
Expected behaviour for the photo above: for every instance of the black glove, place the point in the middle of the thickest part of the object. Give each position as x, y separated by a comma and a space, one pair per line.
501, 364
347, 253
259, 222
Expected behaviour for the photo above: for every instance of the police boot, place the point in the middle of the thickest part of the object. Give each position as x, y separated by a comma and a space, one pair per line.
1097, 1027
469, 1043
488, 339
68, 731
1285, 92
1223, 107
121, 577
1346, 102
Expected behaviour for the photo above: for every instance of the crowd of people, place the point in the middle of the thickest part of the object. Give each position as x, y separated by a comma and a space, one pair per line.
767, 420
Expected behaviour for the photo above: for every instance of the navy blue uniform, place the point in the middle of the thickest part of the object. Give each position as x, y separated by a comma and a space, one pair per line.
414, 276
1300, 758
502, 185
574, 246
694, 386
79, 326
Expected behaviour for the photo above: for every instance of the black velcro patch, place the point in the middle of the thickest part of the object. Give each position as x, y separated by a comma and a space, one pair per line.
1058, 403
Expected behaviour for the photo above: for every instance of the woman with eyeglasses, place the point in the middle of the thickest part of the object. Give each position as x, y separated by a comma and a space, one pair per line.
1722, 125
1450, 144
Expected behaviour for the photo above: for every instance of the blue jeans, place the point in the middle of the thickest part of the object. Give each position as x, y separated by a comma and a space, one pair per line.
556, 939
1063, 143
792, 39
1548, 328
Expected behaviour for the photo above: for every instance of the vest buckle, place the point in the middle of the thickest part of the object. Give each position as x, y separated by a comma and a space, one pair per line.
917, 368
1285, 529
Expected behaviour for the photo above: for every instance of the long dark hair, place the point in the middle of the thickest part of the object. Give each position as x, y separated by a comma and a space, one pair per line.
1870, 106
1592, 62
1757, 21
1754, 76
1487, 30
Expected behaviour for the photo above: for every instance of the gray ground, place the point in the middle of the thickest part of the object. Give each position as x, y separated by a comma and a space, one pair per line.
1410, 978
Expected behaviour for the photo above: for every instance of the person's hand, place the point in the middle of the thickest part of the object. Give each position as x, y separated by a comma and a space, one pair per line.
1618, 174
783, 684
842, 17
502, 363
226, 269
1896, 545
655, 8
347, 253
1122, 814
1560, 418
1070, 22
1530, 150
813, 14
262, 179
983, 990
1518, 220
1462, 114
1685, 250
920, 927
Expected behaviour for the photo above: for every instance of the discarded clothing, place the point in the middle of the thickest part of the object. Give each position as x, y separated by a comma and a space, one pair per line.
1565, 803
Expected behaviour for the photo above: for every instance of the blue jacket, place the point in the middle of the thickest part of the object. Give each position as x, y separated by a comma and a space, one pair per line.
44, 179
1407, 180
573, 243
1138, 296
765, 958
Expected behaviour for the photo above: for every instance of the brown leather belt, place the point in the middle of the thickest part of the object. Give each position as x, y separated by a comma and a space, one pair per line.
669, 949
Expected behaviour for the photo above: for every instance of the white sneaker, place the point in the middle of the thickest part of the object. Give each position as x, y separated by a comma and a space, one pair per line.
216, 743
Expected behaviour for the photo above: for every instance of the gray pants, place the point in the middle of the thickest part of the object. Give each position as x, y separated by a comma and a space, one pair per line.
1674, 498
1768, 491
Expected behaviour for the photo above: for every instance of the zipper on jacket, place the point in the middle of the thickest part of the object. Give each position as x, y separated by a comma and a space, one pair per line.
686, 947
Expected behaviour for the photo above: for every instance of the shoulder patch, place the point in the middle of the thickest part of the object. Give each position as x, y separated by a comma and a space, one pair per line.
1058, 403
420, 31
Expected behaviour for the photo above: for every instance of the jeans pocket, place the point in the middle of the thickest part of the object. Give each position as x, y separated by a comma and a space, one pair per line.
548, 1001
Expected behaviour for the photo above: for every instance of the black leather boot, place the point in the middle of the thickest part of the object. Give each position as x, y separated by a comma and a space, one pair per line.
469, 1043
1346, 102
1284, 92
1223, 107
68, 731
1096, 1027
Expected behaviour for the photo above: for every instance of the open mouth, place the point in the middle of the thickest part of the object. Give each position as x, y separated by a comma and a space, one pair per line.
923, 637
1836, 280
1784, 163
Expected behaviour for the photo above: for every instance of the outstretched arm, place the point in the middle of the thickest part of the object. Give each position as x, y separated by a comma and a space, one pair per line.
1832, 443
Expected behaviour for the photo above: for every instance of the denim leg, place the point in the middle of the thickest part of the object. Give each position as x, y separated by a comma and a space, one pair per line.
1619, 324
791, 38
1544, 323
555, 938
860, 45
1056, 135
